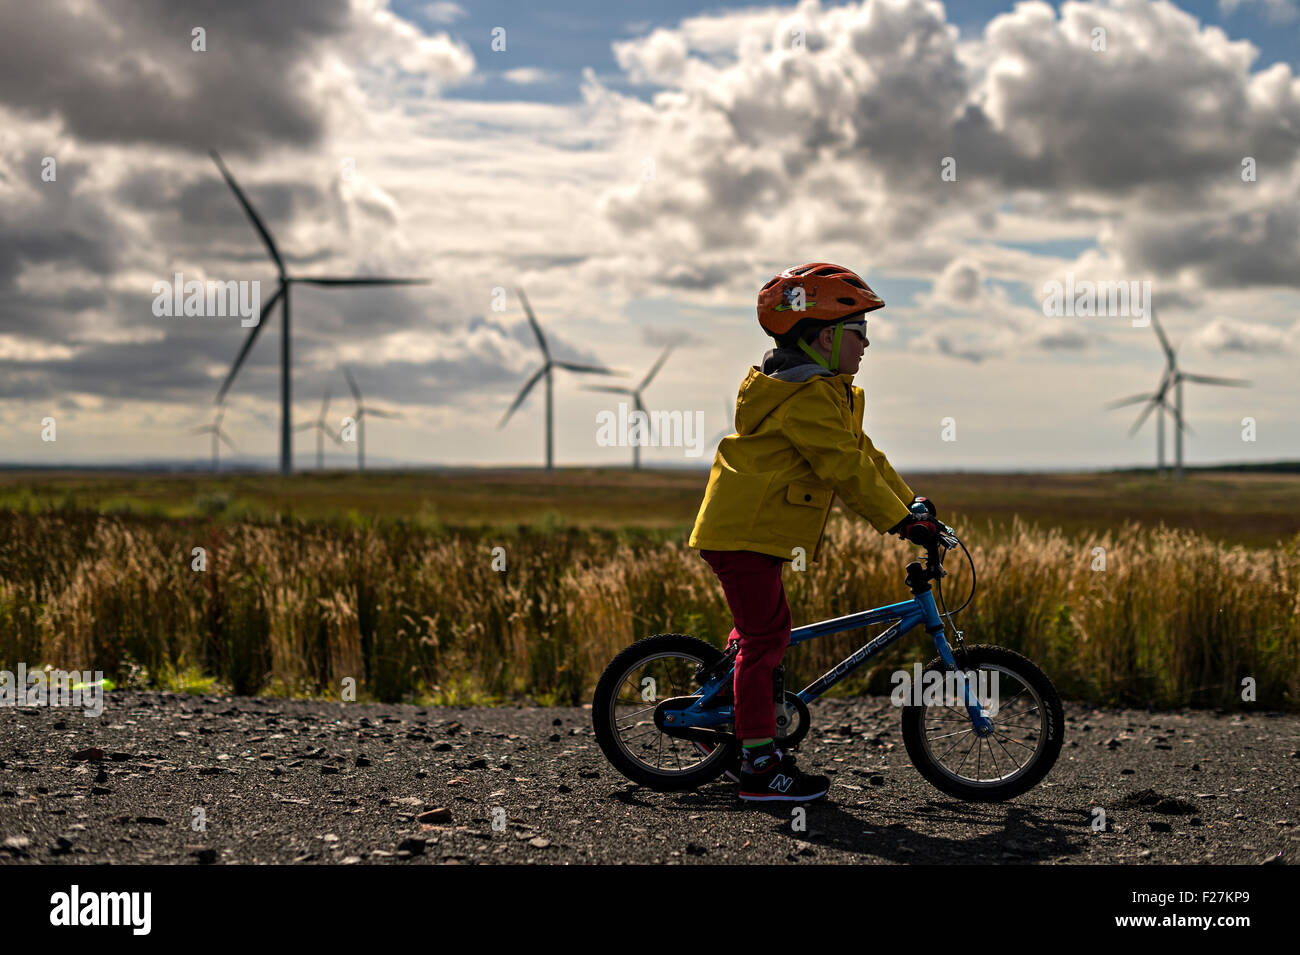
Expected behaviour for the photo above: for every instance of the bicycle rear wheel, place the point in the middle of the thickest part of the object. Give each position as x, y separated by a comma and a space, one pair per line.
1028, 729
622, 714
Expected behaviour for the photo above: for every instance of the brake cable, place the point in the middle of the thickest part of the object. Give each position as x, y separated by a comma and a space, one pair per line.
938, 584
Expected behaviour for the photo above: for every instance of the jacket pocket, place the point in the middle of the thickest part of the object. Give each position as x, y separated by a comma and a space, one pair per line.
808, 495
732, 503
797, 514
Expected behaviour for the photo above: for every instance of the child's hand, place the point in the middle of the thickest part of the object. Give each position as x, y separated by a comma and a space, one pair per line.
918, 530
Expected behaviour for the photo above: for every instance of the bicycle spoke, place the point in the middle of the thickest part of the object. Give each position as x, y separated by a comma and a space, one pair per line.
1018, 743
947, 735
953, 746
631, 718
1005, 751
967, 755
993, 758
643, 733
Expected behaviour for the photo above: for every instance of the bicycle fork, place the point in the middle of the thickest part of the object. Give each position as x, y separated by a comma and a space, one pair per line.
934, 626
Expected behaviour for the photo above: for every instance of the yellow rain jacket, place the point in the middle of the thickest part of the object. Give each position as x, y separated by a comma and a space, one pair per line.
798, 444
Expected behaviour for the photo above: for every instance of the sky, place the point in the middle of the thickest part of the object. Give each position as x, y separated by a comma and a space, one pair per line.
640, 170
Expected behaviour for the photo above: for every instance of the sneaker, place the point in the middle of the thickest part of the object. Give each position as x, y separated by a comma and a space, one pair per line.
781, 781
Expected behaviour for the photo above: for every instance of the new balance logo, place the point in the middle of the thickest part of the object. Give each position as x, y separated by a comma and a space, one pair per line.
781, 782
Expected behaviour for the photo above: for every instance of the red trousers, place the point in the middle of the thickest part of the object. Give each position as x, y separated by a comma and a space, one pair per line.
761, 617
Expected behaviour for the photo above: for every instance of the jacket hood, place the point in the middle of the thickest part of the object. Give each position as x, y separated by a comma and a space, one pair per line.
791, 364
784, 372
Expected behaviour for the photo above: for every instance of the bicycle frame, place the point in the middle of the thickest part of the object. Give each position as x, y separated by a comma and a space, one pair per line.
920, 609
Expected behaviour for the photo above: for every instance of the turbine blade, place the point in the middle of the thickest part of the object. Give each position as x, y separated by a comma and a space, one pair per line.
590, 369
230, 444
1142, 417
654, 370
1211, 380
1166, 382
523, 394
352, 383
359, 280
615, 389
1129, 401
248, 343
325, 404
1178, 419
1164, 342
532, 320
248, 209
380, 413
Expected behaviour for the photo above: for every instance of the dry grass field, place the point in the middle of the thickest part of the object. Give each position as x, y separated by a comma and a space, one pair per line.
388, 578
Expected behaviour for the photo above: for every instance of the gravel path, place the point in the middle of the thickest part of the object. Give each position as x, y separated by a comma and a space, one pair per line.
162, 777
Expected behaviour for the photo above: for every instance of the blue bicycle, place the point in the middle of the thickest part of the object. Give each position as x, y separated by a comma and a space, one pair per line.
986, 724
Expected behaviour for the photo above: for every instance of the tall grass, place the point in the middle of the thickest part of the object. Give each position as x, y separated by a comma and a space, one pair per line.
412, 610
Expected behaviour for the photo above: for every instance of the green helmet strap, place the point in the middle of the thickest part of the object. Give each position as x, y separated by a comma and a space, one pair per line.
833, 365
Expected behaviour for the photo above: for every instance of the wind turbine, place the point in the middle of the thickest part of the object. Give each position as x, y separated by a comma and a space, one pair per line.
636, 399
1173, 377
359, 416
322, 429
282, 295
548, 364
217, 433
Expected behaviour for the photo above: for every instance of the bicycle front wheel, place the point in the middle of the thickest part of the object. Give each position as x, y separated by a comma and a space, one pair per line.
1028, 729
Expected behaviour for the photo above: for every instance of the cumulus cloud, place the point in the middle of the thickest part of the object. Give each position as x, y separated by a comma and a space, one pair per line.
1277, 11
125, 71
444, 11
795, 126
527, 75
1232, 335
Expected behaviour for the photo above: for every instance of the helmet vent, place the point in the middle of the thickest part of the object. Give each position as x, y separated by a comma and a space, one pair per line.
846, 301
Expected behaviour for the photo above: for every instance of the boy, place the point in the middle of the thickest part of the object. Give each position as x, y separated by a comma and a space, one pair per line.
799, 442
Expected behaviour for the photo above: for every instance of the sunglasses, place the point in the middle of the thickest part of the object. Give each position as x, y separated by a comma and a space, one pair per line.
859, 326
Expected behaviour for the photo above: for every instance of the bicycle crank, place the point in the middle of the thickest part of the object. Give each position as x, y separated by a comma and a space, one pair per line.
792, 720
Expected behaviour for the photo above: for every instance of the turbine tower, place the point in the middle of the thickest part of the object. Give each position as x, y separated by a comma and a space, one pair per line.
282, 295
636, 399
1173, 377
359, 416
322, 429
548, 364
217, 433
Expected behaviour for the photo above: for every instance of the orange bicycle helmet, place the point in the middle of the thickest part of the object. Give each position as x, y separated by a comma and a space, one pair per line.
818, 295
831, 293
